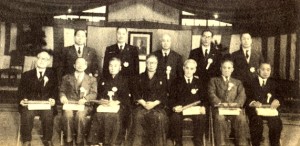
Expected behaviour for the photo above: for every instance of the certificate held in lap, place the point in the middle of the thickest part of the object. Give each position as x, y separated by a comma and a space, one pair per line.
194, 110
108, 109
73, 107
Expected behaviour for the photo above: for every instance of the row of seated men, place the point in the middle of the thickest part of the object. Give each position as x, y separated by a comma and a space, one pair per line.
156, 98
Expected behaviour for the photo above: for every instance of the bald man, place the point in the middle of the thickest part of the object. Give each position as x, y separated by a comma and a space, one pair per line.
169, 61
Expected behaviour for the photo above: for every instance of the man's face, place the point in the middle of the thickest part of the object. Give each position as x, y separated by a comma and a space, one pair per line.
227, 68
264, 71
166, 42
246, 40
80, 37
80, 65
189, 69
206, 38
43, 60
121, 35
151, 64
114, 67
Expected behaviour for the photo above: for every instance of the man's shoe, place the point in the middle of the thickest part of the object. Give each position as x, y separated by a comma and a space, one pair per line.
27, 143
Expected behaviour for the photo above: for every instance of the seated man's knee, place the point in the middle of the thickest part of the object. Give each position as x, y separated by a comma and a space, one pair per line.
68, 114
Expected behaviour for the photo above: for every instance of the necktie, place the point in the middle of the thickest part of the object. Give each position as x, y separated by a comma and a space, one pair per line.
226, 79
41, 76
166, 57
206, 53
247, 54
263, 83
79, 50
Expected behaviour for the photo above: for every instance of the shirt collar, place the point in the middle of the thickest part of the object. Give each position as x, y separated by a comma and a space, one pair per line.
121, 44
38, 70
204, 48
186, 79
77, 46
165, 51
224, 78
260, 79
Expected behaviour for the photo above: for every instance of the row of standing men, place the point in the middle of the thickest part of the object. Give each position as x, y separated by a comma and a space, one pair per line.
149, 96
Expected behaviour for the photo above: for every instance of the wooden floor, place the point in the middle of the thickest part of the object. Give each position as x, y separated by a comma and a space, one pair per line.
9, 129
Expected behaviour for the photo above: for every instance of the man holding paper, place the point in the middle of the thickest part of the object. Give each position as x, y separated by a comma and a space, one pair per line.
75, 90
38, 85
188, 101
263, 100
113, 93
226, 94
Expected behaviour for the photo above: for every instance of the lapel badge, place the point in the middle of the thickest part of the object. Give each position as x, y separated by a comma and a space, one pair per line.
125, 64
114, 89
252, 69
194, 90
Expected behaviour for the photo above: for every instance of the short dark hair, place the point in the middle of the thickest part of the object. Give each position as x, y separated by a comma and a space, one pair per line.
115, 59
207, 30
151, 55
77, 30
227, 60
119, 27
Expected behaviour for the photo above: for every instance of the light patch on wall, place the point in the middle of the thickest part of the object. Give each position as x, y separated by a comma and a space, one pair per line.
2, 38
293, 56
256, 43
142, 66
49, 37
13, 37
196, 41
271, 49
234, 43
282, 58
217, 38
68, 37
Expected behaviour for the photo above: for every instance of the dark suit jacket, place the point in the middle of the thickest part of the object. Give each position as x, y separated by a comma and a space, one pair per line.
258, 93
69, 56
31, 88
129, 54
182, 92
150, 89
242, 68
218, 91
174, 61
213, 70
69, 88
122, 93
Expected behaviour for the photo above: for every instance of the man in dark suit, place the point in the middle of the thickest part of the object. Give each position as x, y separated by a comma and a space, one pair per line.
246, 60
187, 90
207, 58
264, 91
78, 87
169, 61
71, 53
106, 125
128, 54
227, 90
149, 117
38, 84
